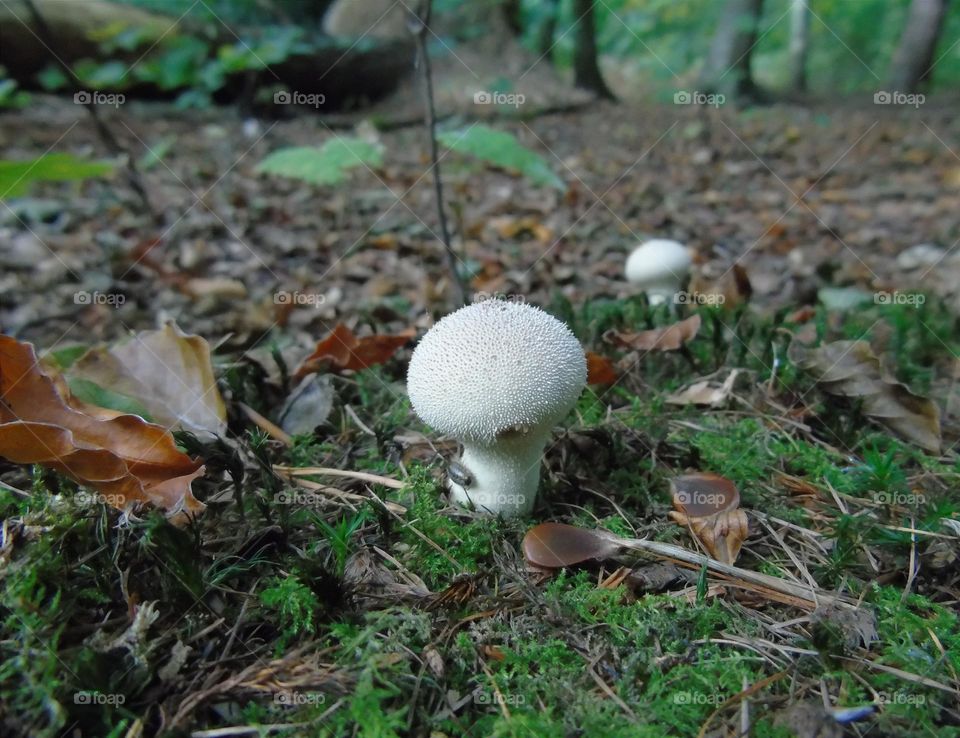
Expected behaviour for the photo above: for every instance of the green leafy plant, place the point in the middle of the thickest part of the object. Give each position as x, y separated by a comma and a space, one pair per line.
84, 389
339, 535
16, 177
326, 165
10, 94
501, 149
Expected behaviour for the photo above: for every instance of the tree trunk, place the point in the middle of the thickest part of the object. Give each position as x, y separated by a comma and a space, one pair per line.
513, 16
913, 60
799, 44
548, 29
586, 70
728, 65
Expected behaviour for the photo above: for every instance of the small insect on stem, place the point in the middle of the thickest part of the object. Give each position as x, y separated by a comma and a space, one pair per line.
459, 475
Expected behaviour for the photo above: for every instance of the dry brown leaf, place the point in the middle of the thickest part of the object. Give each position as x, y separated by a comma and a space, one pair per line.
223, 288
809, 720
728, 291
851, 369
801, 315
512, 228
857, 627
707, 504
669, 338
342, 350
722, 535
600, 369
126, 459
168, 372
705, 392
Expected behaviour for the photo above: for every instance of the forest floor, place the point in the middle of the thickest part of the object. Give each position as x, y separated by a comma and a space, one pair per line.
401, 615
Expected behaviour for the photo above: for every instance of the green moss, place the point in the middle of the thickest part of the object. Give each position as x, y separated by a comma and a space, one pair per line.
517, 656
439, 546
295, 606
918, 637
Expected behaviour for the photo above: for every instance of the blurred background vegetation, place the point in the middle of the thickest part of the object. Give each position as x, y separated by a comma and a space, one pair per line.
644, 46
648, 38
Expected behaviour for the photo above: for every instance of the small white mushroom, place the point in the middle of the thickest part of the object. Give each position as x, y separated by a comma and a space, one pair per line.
497, 376
658, 267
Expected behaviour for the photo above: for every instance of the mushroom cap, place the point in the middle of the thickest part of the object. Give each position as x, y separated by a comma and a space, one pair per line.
658, 260
495, 366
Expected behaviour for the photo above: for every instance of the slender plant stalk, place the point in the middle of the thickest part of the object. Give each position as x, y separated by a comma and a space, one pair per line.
420, 25
695, 560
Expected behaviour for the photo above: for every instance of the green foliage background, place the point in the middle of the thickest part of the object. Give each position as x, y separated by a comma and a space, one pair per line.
656, 44
851, 41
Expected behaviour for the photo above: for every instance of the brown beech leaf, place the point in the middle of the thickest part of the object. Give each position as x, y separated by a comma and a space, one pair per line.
669, 338
342, 350
600, 369
851, 369
707, 504
728, 291
722, 535
123, 457
168, 372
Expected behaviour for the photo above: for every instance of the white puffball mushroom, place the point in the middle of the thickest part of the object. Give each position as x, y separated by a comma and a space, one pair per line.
658, 267
497, 376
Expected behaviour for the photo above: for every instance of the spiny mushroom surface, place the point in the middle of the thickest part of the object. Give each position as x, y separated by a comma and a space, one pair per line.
497, 376
658, 267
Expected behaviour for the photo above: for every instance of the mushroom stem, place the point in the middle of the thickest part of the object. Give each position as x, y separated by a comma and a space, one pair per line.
661, 293
505, 474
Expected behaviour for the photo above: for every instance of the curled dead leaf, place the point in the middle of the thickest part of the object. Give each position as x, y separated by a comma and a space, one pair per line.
166, 371
722, 535
705, 392
668, 338
341, 350
851, 369
123, 457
